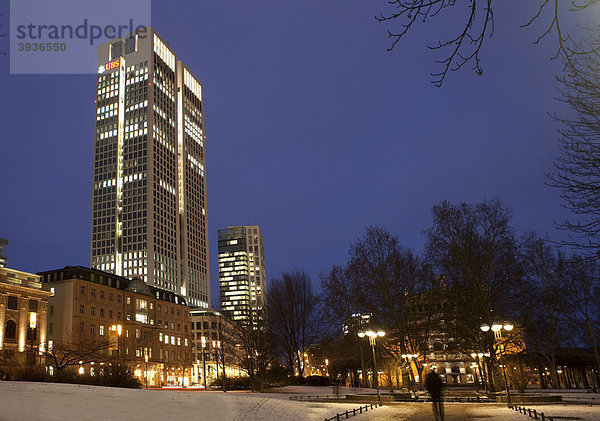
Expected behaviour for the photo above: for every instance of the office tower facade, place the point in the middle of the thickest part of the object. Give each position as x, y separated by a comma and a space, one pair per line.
149, 194
242, 275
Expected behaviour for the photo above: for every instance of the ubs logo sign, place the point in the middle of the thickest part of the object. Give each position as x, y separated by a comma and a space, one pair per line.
108, 66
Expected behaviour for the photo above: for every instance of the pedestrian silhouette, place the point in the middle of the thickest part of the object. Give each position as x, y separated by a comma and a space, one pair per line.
434, 385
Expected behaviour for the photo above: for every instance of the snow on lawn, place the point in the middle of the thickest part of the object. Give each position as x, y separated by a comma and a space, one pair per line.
563, 412
60, 402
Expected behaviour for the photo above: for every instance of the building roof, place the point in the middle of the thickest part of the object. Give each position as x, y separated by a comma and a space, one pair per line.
111, 280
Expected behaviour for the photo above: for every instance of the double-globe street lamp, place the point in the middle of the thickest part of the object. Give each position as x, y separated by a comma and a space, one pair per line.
497, 328
372, 334
477, 356
408, 359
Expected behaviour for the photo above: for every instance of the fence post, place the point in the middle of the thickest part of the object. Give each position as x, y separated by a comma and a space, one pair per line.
360, 407
346, 414
353, 411
543, 417
529, 412
337, 417
535, 414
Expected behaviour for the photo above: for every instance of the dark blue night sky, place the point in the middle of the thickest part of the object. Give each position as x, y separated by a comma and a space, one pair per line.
314, 131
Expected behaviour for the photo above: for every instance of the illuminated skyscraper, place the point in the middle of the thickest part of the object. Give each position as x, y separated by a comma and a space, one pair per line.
149, 194
242, 276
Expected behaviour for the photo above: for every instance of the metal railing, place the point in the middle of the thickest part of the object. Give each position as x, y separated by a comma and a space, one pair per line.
531, 413
352, 412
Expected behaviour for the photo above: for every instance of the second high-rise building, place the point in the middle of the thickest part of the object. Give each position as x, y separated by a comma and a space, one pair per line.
149, 194
242, 277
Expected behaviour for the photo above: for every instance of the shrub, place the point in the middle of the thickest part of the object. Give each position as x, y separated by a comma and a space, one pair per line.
317, 381
233, 383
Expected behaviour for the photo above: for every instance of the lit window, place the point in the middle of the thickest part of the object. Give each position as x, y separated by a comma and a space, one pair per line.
101, 331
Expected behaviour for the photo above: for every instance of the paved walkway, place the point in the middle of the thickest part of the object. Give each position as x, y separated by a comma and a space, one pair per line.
424, 412
452, 412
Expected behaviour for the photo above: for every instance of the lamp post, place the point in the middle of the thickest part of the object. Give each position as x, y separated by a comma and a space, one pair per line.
372, 337
477, 356
408, 359
203, 362
497, 327
221, 358
32, 326
146, 370
117, 329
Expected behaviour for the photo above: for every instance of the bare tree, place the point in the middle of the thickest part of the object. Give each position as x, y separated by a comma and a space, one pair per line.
3, 38
293, 317
76, 351
395, 278
475, 247
547, 295
585, 302
250, 346
465, 43
577, 172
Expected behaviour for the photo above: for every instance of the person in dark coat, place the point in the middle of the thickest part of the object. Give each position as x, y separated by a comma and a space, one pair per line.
434, 385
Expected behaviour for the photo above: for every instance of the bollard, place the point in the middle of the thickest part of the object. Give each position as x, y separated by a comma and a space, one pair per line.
371, 406
354, 412
346, 414
360, 407
543, 417
535, 414
529, 412
366, 408
337, 417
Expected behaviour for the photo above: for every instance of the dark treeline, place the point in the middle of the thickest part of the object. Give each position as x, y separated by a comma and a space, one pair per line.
475, 269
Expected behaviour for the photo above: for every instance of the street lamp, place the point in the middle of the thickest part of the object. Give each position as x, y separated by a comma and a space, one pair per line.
118, 329
146, 371
221, 358
203, 362
497, 329
372, 338
477, 356
32, 326
408, 359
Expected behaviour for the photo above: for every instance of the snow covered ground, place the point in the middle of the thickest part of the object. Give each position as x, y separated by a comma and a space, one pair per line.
61, 402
